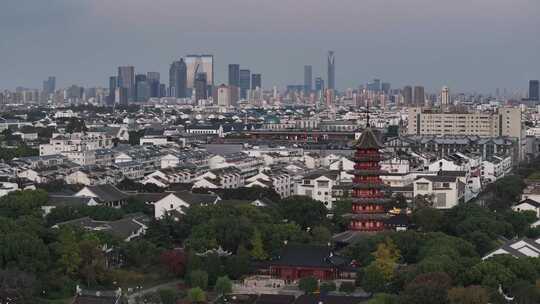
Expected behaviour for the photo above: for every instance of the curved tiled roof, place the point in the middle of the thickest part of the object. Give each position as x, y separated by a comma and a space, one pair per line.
368, 140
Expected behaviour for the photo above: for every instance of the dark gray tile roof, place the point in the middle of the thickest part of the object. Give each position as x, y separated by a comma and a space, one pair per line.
67, 200
368, 140
530, 202
108, 193
308, 256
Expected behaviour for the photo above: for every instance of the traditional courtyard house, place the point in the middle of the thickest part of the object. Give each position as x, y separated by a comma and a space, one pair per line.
226, 178
444, 191
94, 175
279, 181
107, 195
521, 248
153, 137
128, 228
532, 192
528, 205
168, 202
312, 160
61, 200
298, 261
319, 185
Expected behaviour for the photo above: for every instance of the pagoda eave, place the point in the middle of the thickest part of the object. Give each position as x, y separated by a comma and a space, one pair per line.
365, 186
374, 200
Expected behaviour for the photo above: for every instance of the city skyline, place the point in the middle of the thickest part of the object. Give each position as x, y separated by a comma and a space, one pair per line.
387, 41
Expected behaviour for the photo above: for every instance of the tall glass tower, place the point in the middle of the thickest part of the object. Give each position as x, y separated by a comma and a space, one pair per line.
331, 83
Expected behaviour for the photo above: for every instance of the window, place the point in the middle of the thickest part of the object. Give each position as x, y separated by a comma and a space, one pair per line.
322, 184
422, 186
440, 200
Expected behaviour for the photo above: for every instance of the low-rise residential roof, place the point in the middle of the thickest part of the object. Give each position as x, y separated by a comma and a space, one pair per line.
107, 193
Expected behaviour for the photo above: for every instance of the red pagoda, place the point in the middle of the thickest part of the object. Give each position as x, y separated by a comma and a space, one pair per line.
369, 199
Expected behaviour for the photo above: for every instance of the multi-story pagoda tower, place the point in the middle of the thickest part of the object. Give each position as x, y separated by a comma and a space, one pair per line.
369, 198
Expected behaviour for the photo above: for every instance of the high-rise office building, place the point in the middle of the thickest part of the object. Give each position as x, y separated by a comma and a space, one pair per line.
223, 96
419, 96
445, 96
113, 84
126, 79
308, 78
386, 87
245, 85
121, 96
153, 79
319, 84
162, 90
407, 95
234, 75
178, 79
534, 90
374, 85
201, 87
49, 85
142, 89
256, 81
331, 70
196, 64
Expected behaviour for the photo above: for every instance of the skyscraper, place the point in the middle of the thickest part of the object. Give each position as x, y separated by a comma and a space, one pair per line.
201, 87
223, 95
319, 84
385, 87
256, 81
234, 75
331, 70
126, 79
534, 90
142, 89
121, 97
374, 85
445, 96
49, 85
196, 64
153, 79
419, 96
113, 84
178, 79
308, 78
407, 95
245, 78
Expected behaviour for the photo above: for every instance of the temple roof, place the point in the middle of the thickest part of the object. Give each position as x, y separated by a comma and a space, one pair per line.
300, 255
368, 140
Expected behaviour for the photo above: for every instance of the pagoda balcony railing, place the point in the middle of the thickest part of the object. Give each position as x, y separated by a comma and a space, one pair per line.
370, 185
368, 211
366, 226
365, 172
369, 195
368, 158
370, 200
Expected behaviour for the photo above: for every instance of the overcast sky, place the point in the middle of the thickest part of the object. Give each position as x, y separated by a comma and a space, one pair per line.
469, 45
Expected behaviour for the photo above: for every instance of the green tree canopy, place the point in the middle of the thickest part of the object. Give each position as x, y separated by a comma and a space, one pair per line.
223, 285
308, 284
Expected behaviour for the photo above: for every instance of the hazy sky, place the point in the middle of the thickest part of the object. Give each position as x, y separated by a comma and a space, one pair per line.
466, 44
